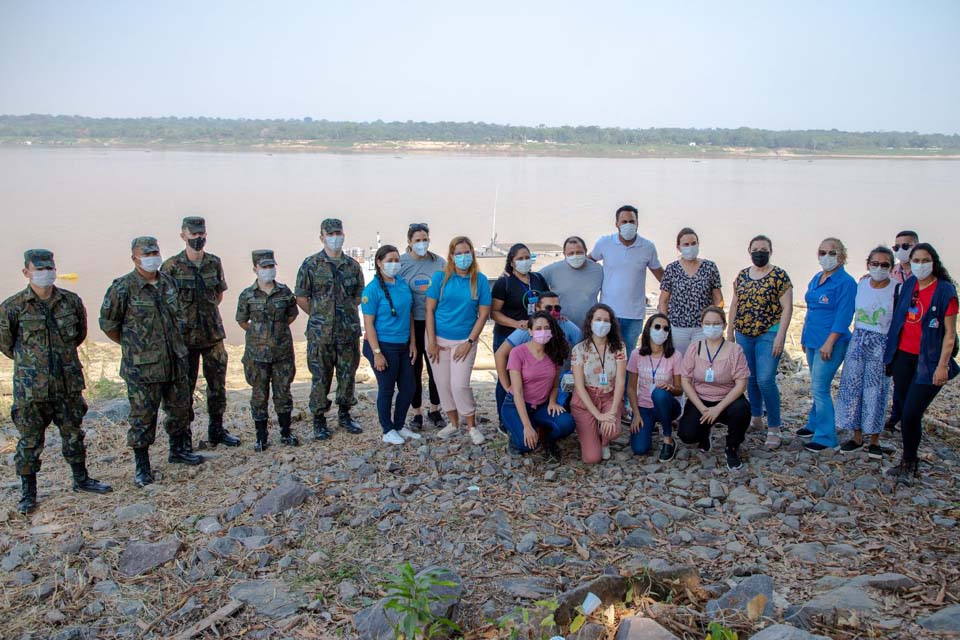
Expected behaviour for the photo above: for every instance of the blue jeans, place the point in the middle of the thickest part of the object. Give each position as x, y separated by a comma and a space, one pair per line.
556, 427
665, 409
762, 389
822, 420
630, 330
398, 375
500, 394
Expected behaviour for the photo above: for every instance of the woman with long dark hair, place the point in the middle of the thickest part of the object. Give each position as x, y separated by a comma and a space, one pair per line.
653, 384
599, 364
388, 343
530, 411
921, 347
515, 294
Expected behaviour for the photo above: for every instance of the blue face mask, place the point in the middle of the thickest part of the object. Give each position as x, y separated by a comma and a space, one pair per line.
334, 243
463, 260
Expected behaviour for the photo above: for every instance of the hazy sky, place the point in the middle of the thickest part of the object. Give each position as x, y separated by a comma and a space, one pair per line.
854, 65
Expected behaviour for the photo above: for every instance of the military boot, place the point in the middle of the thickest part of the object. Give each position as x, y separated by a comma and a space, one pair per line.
216, 434
286, 436
181, 450
261, 444
83, 482
320, 431
28, 493
143, 475
347, 423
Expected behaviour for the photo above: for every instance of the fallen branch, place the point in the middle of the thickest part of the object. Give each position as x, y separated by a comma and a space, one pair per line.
223, 612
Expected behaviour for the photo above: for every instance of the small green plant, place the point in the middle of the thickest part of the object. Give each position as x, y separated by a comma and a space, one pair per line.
105, 389
410, 596
717, 631
517, 622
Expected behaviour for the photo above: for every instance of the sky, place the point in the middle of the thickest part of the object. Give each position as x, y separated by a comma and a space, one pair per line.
847, 64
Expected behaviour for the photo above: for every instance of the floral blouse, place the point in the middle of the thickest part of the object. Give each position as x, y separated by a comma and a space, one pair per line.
689, 295
758, 301
585, 355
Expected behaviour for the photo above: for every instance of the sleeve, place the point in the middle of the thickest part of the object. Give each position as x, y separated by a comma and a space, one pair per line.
484, 291
304, 285
654, 262
576, 356
541, 282
597, 251
433, 291
689, 362
574, 335
715, 281
500, 288
620, 355
741, 371
633, 364
293, 310
243, 314
113, 309
370, 300
357, 293
518, 337
81, 321
515, 361
221, 278
8, 329
547, 274
846, 305
168, 266
783, 283
667, 283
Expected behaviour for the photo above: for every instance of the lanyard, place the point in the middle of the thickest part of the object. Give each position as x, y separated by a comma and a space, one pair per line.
654, 369
716, 353
603, 358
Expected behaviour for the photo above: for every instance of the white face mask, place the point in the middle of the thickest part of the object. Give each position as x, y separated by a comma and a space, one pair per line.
150, 263
523, 266
600, 328
577, 260
828, 262
334, 243
903, 255
713, 331
659, 336
420, 248
267, 275
690, 252
921, 269
879, 274
628, 231
391, 269
44, 278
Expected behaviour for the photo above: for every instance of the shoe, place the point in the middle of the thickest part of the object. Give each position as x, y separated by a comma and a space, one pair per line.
416, 423
407, 433
605, 453
502, 428
875, 452
28, 494
756, 422
262, 443
320, 430
905, 472
892, 425
181, 452
447, 431
83, 482
816, 446
216, 434
286, 435
553, 451
437, 419
850, 446
392, 437
347, 423
142, 474
476, 436
773, 439
733, 459
804, 433
667, 451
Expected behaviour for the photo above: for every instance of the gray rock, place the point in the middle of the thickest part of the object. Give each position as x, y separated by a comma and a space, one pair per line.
609, 589
375, 622
660, 520
866, 482
827, 605
285, 496
717, 490
54, 616
22, 578
223, 546
271, 598
107, 588
188, 607
785, 632
704, 553
816, 488
43, 590
806, 551
638, 538
11, 561
208, 525
589, 631
599, 523
347, 591
885, 582
93, 610
641, 628
557, 541
116, 410
71, 545
527, 543
129, 608
133, 512
676, 513
527, 588
741, 595
76, 633
947, 619
753, 513
947, 523
139, 557
662, 577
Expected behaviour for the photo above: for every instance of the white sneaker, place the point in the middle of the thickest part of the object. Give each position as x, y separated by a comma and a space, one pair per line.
476, 436
406, 433
392, 437
447, 431
606, 453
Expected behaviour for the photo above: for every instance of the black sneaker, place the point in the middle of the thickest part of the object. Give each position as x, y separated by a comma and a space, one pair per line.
553, 451
815, 446
892, 425
733, 460
875, 451
850, 446
416, 423
667, 451
804, 433
904, 473
437, 419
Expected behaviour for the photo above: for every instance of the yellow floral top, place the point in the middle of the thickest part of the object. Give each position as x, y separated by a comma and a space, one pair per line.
758, 301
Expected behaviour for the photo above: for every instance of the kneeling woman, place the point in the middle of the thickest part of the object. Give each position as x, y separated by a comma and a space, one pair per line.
530, 411
653, 384
714, 376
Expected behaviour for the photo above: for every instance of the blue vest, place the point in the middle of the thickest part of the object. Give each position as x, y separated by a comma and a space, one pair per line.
931, 338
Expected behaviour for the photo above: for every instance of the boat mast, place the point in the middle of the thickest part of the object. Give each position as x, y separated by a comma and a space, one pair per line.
493, 230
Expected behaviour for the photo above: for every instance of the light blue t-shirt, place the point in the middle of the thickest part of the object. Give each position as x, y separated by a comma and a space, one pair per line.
570, 331
390, 328
457, 310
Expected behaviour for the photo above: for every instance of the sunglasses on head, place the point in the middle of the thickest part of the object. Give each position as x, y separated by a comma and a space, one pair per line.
661, 327
904, 246
419, 226
552, 307
882, 265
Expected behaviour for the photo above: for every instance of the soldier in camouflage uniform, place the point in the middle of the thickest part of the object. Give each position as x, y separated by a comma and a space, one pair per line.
200, 280
329, 286
41, 328
141, 312
265, 311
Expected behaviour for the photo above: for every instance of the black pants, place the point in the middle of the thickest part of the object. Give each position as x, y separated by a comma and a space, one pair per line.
736, 417
420, 334
914, 399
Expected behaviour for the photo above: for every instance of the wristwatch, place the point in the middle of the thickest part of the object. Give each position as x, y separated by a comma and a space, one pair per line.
471, 341
376, 351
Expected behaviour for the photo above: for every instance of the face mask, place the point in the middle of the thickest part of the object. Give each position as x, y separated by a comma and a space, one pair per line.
600, 328
150, 263
659, 336
691, 252
523, 266
44, 278
197, 244
713, 331
828, 262
420, 248
267, 275
334, 243
391, 268
628, 231
576, 261
879, 274
463, 260
760, 258
903, 255
542, 336
921, 269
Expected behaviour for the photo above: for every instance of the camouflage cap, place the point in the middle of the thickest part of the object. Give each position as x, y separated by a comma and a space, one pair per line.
40, 258
331, 224
194, 224
263, 258
147, 243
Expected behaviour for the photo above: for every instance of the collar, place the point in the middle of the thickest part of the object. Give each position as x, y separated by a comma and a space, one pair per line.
256, 290
32, 295
141, 282
182, 258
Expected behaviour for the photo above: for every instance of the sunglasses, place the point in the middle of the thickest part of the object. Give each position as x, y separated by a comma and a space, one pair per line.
552, 307
882, 265
661, 327
822, 253
903, 246
419, 226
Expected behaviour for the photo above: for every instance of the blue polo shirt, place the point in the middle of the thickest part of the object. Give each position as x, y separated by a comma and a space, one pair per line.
830, 308
390, 328
457, 309
570, 331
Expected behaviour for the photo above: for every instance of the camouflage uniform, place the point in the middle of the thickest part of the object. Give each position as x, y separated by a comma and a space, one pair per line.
333, 287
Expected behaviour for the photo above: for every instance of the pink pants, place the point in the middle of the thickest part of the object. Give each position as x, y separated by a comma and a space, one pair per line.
588, 429
453, 378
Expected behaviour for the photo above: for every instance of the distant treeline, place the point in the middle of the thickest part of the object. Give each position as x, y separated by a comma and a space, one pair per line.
66, 129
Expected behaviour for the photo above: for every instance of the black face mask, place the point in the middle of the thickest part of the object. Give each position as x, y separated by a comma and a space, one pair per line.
760, 258
197, 244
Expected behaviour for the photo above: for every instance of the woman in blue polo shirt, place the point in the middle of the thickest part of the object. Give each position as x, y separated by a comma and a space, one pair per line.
831, 297
389, 343
458, 305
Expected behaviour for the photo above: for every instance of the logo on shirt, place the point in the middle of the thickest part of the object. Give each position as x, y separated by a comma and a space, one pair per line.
824, 299
421, 283
364, 299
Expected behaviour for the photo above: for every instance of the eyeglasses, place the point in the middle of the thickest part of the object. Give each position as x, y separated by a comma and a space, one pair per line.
822, 253
882, 265
418, 226
904, 246
552, 307
661, 327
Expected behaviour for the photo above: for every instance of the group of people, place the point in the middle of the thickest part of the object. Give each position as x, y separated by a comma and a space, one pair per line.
573, 346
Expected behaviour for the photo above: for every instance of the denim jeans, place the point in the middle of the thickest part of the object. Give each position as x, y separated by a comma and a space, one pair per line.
630, 330
762, 389
665, 409
398, 375
556, 427
822, 420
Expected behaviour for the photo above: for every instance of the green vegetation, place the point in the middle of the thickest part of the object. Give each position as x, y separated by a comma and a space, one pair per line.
105, 389
589, 140
410, 596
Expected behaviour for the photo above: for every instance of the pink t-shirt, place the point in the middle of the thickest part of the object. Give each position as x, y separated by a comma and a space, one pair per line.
730, 366
537, 375
651, 371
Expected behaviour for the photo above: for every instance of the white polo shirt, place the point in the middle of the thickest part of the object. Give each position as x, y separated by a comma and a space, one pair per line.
625, 273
